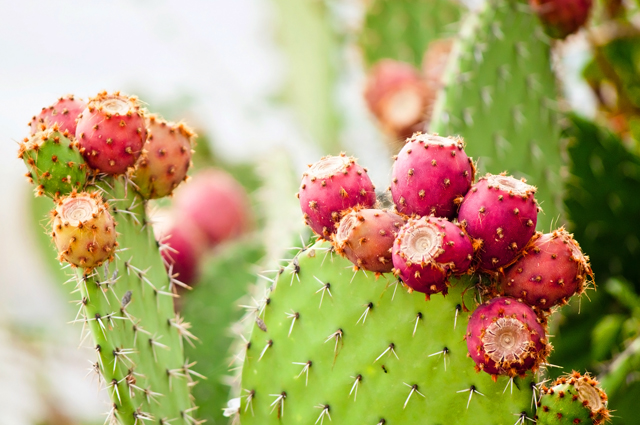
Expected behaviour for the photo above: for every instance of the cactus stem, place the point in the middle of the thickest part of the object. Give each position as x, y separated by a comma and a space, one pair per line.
418, 318
264, 350
305, 370
325, 412
414, 389
294, 316
354, 388
326, 287
364, 315
444, 353
472, 390
509, 383
392, 348
278, 403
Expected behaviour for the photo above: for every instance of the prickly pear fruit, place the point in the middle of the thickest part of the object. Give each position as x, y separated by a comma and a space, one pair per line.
396, 94
502, 212
83, 230
431, 175
183, 247
551, 269
165, 160
55, 165
562, 17
112, 131
329, 187
64, 113
505, 337
216, 203
573, 399
427, 251
365, 237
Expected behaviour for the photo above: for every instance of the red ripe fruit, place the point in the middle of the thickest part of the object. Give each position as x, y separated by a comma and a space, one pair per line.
431, 175
64, 113
428, 251
366, 236
111, 132
185, 245
216, 203
329, 187
562, 17
165, 160
502, 212
551, 270
504, 337
396, 94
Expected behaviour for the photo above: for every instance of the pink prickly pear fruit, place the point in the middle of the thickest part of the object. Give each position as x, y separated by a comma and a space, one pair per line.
505, 337
83, 230
427, 251
562, 17
329, 187
165, 159
64, 113
502, 212
216, 203
183, 245
551, 270
111, 131
431, 176
397, 96
365, 237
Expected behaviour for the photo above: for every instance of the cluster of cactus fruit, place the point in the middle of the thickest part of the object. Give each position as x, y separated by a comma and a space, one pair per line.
100, 162
475, 244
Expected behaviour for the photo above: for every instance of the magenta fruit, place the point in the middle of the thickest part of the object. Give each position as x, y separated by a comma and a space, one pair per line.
562, 17
216, 203
504, 337
502, 212
64, 113
550, 271
185, 245
330, 186
83, 230
111, 131
365, 237
165, 160
427, 251
431, 175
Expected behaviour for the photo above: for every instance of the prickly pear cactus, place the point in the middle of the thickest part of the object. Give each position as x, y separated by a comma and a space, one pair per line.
334, 344
499, 94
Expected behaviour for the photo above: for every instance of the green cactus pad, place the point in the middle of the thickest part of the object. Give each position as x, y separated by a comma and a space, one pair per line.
402, 29
500, 96
573, 399
55, 165
328, 345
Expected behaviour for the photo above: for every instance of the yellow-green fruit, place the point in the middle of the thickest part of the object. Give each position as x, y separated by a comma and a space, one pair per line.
83, 230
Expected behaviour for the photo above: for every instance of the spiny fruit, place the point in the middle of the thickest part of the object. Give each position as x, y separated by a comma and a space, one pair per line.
505, 337
562, 17
112, 132
329, 187
216, 203
428, 251
54, 162
551, 270
64, 113
165, 159
431, 175
365, 237
397, 96
573, 399
502, 212
83, 230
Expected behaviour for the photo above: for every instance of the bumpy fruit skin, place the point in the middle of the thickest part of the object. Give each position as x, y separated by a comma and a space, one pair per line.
502, 212
64, 113
573, 399
329, 187
165, 159
428, 251
431, 175
562, 17
216, 203
54, 162
396, 94
112, 132
505, 337
551, 270
185, 246
83, 230
365, 237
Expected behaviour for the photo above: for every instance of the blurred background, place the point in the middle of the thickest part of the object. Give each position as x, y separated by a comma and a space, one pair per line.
271, 85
